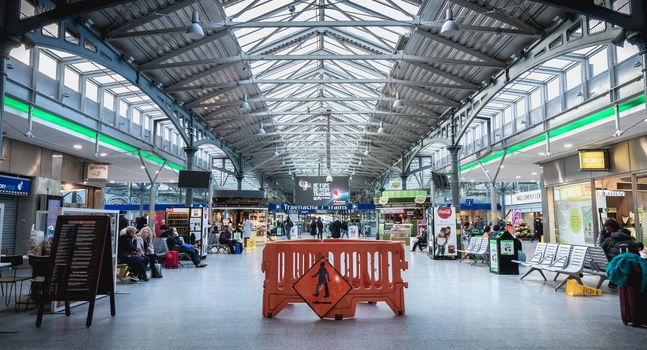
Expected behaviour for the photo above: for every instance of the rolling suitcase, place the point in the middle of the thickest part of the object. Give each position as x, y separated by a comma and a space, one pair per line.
172, 259
238, 248
633, 303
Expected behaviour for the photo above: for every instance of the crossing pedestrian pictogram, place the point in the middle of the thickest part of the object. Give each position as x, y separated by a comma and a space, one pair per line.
322, 287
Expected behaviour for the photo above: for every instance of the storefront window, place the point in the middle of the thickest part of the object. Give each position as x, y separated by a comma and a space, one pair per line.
642, 205
613, 200
573, 214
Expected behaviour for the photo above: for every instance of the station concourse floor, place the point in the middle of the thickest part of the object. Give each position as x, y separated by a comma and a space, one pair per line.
449, 305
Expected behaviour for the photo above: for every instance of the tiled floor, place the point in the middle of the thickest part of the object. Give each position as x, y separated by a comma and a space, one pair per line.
449, 305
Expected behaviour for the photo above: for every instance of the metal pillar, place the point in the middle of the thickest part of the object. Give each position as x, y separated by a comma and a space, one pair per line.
240, 182
190, 155
640, 41
494, 211
456, 191
404, 178
7, 43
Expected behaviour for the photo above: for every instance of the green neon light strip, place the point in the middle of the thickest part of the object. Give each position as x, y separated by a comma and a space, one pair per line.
596, 117
81, 130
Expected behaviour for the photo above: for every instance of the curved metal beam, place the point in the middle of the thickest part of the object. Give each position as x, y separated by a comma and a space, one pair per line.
92, 48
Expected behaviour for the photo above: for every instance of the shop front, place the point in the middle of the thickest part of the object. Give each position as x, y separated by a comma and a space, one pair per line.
361, 217
236, 206
400, 213
522, 209
585, 189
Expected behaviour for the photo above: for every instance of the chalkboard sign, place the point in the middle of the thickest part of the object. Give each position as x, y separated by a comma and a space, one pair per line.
79, 263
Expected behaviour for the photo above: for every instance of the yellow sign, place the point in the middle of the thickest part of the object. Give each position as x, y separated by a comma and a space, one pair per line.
592, 160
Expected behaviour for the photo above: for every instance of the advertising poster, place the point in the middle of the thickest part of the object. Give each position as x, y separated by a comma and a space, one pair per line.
516, 216
445, 231
494, 258
353, 232
422, 227
507, 247
314, 190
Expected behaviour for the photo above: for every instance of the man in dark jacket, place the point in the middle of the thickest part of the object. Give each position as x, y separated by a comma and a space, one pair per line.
320, 226
612, 244
538, 227
336, 228
175, 243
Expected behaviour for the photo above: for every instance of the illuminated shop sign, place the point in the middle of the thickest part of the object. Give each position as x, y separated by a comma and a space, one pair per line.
14, 186
594, 160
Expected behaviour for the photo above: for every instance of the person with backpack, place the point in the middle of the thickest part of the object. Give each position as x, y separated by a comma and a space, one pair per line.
618, 241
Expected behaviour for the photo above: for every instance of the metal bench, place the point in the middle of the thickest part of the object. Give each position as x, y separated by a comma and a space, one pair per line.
536, 257
214, 243
574, 268
545, 261
595, 263
472, 247
483, 251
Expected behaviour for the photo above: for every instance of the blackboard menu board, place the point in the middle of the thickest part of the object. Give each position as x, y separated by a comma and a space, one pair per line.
80, 262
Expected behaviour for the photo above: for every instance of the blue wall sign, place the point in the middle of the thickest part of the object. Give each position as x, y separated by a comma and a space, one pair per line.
14, 186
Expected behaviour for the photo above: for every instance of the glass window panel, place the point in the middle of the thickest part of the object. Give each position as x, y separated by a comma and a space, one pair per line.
535, 99
147, 123
137, 116
123, 108
108, 100
21, 54
91, 91
574, 77
71, 79
47, 65
625, 52
598, 62
553, 89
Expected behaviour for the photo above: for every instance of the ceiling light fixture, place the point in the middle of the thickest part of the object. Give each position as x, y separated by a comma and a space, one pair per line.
276, 152
360, 162
194, 31
329, 177
245, 104
77, 146
533, 173
103, 154
381, 128
450, 26
568, 145
366, 151
142, 167
397, 103
261, 130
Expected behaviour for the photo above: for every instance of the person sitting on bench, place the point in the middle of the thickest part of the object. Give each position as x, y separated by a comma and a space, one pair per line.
174, 242
127, 253
225, 238
421, 242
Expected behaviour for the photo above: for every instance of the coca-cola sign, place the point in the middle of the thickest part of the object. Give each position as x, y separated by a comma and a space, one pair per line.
444, 212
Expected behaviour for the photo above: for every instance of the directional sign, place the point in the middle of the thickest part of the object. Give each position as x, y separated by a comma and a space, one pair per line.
322, 287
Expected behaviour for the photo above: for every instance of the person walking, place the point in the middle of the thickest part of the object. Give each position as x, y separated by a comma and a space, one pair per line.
320, 227
288, 227
538, 227
313, 227
247, 230
336, 228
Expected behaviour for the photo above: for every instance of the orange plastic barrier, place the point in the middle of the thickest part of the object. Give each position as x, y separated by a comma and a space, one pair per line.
373, 268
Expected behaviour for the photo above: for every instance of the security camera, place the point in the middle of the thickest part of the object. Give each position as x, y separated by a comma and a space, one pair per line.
292, 8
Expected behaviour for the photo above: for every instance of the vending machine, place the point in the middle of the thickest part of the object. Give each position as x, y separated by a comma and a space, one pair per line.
192, 225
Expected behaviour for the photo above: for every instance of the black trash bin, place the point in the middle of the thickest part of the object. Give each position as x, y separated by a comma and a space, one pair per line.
503, 249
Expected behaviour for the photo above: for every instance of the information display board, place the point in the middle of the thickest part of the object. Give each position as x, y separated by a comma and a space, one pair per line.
79, 264
315, 190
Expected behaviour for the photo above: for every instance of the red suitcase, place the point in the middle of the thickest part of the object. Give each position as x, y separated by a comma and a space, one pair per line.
633, 304
172, 259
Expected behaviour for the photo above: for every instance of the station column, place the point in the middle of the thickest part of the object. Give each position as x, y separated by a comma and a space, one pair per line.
190, 155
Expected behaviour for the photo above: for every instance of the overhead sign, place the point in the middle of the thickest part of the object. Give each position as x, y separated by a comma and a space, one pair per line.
322, 287
524, 197
594, 160
395, 185
292, 207
14, 186
97, 172
314, 190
